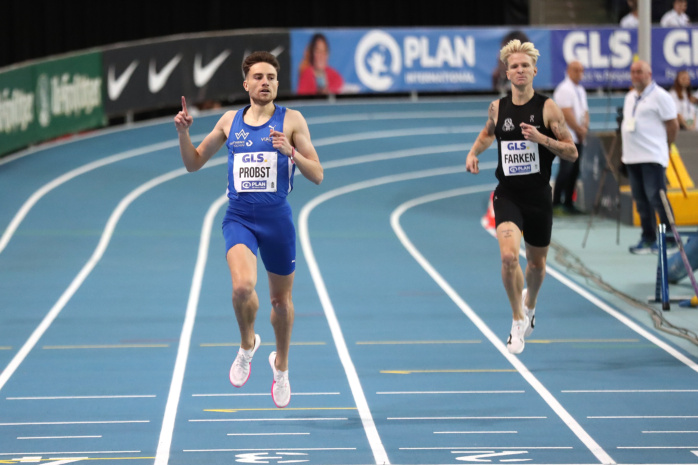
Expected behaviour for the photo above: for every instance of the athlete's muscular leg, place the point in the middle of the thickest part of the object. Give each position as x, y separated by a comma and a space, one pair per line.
535, 272
280, 288
509, 238
243, 271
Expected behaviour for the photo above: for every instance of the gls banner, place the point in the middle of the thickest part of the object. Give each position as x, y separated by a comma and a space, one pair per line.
607, 54
145, 76
405, 60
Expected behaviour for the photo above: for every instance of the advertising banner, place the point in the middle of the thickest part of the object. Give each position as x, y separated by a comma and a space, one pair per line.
153, 75
48, 99
341, 61
607, 54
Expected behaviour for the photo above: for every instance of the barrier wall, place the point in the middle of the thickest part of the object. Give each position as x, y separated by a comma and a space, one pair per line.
43, 100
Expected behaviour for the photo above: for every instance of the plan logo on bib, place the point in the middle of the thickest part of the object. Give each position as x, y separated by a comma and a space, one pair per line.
378, 60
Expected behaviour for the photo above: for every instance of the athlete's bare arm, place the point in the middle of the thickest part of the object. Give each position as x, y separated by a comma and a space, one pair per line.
484, 139
295, 141
554, 119
196, 157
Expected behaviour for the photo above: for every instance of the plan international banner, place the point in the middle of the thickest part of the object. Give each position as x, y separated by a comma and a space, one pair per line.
409, 60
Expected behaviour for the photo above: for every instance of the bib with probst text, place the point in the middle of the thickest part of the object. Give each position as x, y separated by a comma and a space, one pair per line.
255, 172
520, 157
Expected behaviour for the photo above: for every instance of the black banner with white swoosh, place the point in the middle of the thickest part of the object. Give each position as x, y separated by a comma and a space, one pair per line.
202, 67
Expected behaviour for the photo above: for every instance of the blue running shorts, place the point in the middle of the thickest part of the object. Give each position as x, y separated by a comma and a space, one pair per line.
267, 227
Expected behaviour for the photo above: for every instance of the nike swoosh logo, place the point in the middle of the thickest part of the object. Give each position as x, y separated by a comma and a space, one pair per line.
116, 85
157, 80
203, 74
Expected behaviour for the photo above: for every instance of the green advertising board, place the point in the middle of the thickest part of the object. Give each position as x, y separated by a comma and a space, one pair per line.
48, 99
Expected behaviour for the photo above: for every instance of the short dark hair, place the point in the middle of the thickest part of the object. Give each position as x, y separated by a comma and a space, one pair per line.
259, 57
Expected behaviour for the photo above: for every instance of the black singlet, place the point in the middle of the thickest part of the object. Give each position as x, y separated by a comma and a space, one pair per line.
509, 132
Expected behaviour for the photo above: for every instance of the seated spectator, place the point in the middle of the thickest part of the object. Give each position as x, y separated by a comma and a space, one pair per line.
685, 101
676, 17
630, 21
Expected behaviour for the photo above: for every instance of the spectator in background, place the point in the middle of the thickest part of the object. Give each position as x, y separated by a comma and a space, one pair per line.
571, 97
685, 102
631, 20
676, 17
316, 76
649, 128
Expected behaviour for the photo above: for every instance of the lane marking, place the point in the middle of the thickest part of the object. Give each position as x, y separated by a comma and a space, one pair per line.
206, 420
266, 394
475, 341
79, 452
451, 392
374, 440
561, 412
59, 437
576, 341
82, 397
237, 344
483, 370
108, 346
643, 417
457, 448
162, 454
48, 187
274, 449
468, 418
95, 422
629, 391
669, 432
234, 410
88, 267
268, 434
476, 432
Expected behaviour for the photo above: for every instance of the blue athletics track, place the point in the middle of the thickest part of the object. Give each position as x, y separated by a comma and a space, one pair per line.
117, 329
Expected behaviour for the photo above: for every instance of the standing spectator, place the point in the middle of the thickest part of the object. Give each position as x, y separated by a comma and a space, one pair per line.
571, 97
685, 102
631, 20
676, 17
648, 130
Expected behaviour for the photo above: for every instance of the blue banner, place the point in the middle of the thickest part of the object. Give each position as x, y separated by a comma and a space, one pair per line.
341, 61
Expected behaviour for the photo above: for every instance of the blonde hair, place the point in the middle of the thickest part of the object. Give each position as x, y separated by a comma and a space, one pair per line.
516, 46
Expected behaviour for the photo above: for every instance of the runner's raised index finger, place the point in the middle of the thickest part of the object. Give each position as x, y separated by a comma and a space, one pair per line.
184, 106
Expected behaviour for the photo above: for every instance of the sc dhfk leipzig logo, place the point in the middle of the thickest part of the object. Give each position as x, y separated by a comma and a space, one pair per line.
378, 60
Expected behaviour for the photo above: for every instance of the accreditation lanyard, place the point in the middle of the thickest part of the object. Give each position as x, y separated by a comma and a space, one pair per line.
644, 94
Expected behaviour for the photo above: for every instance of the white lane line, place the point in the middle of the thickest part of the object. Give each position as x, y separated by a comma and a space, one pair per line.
630, 391
643, 417
59, 437
374, 440
268, 434
456, 448
163, 450
275, 449
476, 432
451, 392
216, 420
350, 117
46, 188
81, 397
467, 418
77, 452
266, 394
85, 271
670, 432
561, 412
95, 422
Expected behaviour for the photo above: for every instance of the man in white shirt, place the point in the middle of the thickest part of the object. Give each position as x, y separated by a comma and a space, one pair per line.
676, 17
649, 128
571, 97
